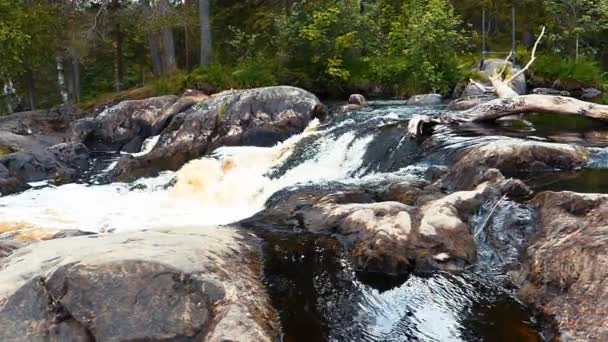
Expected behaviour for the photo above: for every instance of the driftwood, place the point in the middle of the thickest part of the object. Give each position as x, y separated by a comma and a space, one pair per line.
510, 103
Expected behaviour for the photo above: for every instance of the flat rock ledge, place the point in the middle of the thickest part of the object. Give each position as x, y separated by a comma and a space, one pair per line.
186, 284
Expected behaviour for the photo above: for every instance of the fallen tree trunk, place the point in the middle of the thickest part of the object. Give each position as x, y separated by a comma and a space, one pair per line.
495, 109
510, 103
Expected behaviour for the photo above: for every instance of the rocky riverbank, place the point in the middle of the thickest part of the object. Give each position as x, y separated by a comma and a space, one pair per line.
203, 282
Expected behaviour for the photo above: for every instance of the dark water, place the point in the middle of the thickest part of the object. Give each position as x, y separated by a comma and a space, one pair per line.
585, 181
321, 298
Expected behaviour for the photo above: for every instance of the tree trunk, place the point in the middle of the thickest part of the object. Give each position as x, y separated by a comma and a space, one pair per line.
510, 103
8, 91
63, 88
205, 23
118, 61
157, 68
496, 109
187, 47
76, 79
30, 88
168, 46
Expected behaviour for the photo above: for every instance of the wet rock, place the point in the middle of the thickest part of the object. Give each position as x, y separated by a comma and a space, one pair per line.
9, 184
259, 117
565, 271
118, 125
178, 284
431, 231
62, 163
512, 157
550, 91
425, 100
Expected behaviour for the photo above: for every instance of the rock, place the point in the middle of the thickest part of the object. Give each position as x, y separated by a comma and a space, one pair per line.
54, 122
118, 125
590, 93
512, 157
179, 284
565, 270
425, 100
550, 91
258, 117
431, 231
357, 99
62, 162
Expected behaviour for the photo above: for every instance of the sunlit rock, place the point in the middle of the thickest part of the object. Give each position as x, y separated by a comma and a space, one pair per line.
565, 270
254, 117
195, 284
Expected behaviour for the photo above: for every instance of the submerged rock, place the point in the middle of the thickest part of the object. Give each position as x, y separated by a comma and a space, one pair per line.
254, 117
179, 284
565, 270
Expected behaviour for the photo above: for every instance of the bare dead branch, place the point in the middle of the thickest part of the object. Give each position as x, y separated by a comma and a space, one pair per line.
532, 59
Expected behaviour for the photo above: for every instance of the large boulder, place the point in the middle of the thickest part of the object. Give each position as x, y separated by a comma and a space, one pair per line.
426, 229
33, 148
565, 270
125, 124
255, 117
179, 284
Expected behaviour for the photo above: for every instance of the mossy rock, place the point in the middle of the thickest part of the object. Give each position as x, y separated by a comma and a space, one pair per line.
4, 150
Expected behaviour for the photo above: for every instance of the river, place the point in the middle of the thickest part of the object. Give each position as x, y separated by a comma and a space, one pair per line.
319, 295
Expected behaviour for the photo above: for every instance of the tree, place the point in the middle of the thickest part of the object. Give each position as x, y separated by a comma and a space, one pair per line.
168, 43
428, 36
152, 37
205, 23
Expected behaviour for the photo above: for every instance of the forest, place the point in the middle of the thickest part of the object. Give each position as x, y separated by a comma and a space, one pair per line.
90, 51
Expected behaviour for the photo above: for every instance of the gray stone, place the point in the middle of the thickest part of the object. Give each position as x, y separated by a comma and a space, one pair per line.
258, 117
177, 284
425, 100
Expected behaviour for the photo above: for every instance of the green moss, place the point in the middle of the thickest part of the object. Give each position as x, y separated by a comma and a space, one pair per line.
4, 150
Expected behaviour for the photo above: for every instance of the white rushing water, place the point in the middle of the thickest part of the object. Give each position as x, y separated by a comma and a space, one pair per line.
231, 185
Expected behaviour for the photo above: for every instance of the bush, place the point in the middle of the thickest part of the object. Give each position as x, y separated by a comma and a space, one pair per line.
568, 72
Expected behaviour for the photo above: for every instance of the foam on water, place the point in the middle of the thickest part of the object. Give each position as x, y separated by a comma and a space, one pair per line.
228, 186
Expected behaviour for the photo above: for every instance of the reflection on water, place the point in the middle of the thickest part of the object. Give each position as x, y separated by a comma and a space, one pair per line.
586, 181
321, 298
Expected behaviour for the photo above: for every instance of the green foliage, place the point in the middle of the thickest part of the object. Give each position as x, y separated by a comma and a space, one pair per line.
568, 72
248, 74
331, 47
